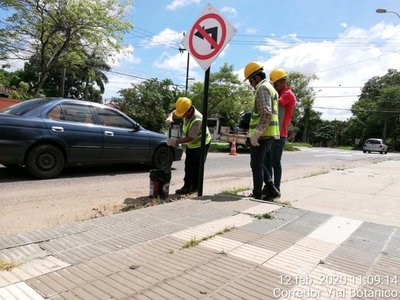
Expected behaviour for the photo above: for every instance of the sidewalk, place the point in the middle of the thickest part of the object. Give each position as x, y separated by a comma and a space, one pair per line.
339, 239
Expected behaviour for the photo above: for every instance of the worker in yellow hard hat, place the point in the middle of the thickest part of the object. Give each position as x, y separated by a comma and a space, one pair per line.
191, 138
286, 105
264, 127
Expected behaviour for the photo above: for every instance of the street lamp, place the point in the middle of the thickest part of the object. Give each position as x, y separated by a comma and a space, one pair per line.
384, 11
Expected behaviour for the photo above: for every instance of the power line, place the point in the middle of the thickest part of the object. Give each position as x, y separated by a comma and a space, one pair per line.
305, 37
359, 110
336, 87
338, 96
138, 77
357, 62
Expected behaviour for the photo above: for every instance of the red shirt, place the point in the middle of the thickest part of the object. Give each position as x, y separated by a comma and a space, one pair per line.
286, 102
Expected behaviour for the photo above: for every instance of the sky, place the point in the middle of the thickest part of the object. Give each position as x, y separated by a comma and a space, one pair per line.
343, 42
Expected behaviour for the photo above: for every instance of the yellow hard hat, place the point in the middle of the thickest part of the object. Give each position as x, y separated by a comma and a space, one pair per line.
182, 106
277, 74
251, 68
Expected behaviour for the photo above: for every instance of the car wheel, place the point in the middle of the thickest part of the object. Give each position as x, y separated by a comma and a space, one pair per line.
13, 166
369, 151
364, 151
45, 161
162, 158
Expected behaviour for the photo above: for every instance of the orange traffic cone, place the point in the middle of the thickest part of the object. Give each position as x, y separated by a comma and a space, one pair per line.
233, 148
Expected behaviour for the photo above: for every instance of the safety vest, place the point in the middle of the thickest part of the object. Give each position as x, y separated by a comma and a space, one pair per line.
273, 127
187, 124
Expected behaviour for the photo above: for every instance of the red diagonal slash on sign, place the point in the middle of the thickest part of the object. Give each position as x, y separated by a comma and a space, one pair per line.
217, 46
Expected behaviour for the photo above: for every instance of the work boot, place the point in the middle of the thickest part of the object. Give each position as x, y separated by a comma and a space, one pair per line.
252, 195
184, 190
270, 192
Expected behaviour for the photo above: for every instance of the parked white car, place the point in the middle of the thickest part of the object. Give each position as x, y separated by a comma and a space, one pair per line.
375, 145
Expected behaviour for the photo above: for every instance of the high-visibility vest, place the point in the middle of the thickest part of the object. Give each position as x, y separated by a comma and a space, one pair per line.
187, 124
273, 127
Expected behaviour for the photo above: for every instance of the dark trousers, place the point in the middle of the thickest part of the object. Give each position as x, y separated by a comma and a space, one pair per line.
272, 161
257, 156
192, 164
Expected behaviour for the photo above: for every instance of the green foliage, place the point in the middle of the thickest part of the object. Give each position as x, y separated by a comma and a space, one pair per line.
305, 119
13, 81
376, 113
324, 133
228, 98
148, 102
80, 82
58, 31
264, 216
291, 147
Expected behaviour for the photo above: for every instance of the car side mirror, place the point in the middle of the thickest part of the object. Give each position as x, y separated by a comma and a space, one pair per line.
136, 127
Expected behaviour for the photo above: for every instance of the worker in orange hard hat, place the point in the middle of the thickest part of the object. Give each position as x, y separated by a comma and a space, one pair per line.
286, 105
191, 131
264, 127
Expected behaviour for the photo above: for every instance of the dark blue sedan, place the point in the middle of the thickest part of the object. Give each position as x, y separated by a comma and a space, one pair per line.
47, 134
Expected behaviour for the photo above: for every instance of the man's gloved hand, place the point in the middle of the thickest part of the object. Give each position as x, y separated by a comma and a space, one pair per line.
169, 121
171, 142
254, 138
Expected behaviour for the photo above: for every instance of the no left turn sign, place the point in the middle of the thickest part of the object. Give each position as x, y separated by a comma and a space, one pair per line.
208, 36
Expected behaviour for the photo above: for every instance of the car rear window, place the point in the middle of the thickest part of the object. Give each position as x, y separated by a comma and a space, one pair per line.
23, 107
373, 142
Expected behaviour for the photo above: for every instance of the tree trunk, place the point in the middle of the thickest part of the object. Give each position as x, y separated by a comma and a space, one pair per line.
384, 130
305, 131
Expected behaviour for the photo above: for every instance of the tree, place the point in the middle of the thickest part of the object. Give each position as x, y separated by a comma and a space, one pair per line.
148, 102
304, 117
93, 71
228, 99
378, 109
62, 30
325, 133
13, 81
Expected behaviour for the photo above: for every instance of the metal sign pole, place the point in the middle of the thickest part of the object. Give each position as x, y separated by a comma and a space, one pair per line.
203, 132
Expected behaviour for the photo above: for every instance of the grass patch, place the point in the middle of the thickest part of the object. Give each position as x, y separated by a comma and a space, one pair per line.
131, 207
322, 172
265, 216
284, 203
290, 147
194, 242
345, 147
298, 144
6, 266
226, 147
234, 192
133, 204
219, 147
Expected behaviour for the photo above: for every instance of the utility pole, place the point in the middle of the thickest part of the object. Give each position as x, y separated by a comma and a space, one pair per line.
181, 50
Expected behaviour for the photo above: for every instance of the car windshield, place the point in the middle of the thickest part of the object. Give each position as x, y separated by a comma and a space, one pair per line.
23, 107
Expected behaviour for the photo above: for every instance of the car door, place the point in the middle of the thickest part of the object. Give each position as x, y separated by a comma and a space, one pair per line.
74, 125
124, 140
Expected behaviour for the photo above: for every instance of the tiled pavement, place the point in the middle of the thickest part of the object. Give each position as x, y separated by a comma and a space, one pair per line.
200, 248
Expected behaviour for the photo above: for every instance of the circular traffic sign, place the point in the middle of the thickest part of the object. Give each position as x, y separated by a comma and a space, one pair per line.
215, 44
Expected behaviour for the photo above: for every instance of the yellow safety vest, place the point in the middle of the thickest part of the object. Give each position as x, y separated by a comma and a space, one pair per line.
187, 124
273, 127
